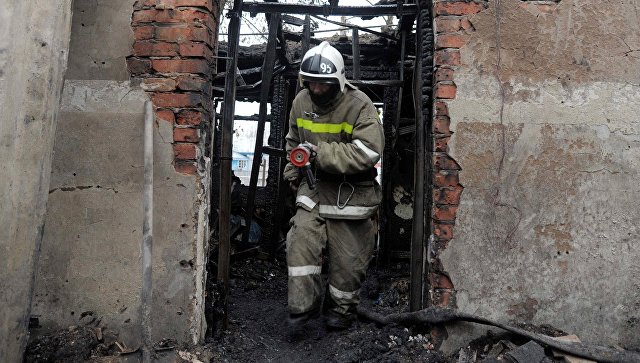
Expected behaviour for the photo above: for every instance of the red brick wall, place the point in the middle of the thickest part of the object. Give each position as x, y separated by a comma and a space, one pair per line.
452, 25
173, 56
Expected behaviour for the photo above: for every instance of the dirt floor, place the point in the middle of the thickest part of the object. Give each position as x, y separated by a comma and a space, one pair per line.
257, 331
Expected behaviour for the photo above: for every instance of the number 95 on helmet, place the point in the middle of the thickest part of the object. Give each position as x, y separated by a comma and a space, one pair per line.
323, 64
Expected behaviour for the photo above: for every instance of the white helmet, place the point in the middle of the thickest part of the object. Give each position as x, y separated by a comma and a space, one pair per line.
324, 64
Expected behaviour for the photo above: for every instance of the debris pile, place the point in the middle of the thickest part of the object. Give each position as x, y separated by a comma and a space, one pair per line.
385, 331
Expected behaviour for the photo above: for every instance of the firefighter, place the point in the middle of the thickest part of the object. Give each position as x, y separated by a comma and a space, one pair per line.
340, 127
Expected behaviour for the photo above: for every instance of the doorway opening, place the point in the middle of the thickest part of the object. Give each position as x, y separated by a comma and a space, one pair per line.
392, 65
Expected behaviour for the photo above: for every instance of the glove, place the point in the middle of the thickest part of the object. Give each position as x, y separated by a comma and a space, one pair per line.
313, 149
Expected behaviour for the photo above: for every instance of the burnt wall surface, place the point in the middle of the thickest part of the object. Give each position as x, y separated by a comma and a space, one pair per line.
32, 66
90, 269
543, 100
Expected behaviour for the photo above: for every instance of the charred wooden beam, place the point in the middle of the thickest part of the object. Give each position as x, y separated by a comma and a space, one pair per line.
246, 118
272, 151
380, 82
289, 19
267, 74
347, 25
326, 10
355, 46
225, 161
419, 219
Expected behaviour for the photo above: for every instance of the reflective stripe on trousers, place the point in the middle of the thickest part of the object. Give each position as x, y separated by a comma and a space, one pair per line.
349, 244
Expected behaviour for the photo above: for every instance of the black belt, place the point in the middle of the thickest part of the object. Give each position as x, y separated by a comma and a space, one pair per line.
367, 175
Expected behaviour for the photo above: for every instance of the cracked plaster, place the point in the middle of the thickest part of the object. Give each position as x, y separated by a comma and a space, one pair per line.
547, 235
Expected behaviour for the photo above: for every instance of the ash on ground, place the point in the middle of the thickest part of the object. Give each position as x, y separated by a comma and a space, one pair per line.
257, 330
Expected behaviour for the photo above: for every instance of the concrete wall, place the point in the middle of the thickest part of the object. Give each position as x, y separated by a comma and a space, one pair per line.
32, 65
547, 134
90, 271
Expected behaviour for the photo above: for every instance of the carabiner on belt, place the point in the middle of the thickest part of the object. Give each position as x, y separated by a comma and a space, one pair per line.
353, 189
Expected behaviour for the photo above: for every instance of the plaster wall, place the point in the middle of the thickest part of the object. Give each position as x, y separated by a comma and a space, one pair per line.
91, 265
548, 138
32, 65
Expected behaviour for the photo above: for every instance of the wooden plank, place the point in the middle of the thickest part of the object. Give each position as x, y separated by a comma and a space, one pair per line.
226, 141
267, 74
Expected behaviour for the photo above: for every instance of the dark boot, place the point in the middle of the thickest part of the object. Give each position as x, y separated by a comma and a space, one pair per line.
336, 321
298, 320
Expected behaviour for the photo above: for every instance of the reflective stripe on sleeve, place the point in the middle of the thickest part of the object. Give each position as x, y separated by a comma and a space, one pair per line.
372, 155
342, 294
308, 202
324, 128
348, 212
304, 270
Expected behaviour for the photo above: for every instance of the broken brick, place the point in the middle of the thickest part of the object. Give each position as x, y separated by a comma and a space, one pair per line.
442, 161
158, 84
444, 74
169, 16
166, 115
192, 83
181, 35
447, 57
443, 231
165, 100
445, 213
446, 179
172, 4
444, 298
190, 117
450, 41
185, 151
191, 49
441, 108
442, 144
186, 135
184, 167
137, 66
446, 90
181, 66
459, 7
447, 195
154, 49
439, 281
466, 25
441, 125
447, 25
143, 32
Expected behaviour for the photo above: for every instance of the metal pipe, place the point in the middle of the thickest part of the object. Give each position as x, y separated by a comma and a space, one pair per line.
417, 235
147, 233
224, 224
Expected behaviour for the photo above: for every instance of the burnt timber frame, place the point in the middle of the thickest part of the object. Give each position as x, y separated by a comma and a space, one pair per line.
224, 214
404, 11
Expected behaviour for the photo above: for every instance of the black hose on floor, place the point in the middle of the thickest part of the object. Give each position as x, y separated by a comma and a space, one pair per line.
434, 315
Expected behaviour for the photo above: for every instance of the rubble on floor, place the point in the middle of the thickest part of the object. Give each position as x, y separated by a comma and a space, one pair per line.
257, 331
